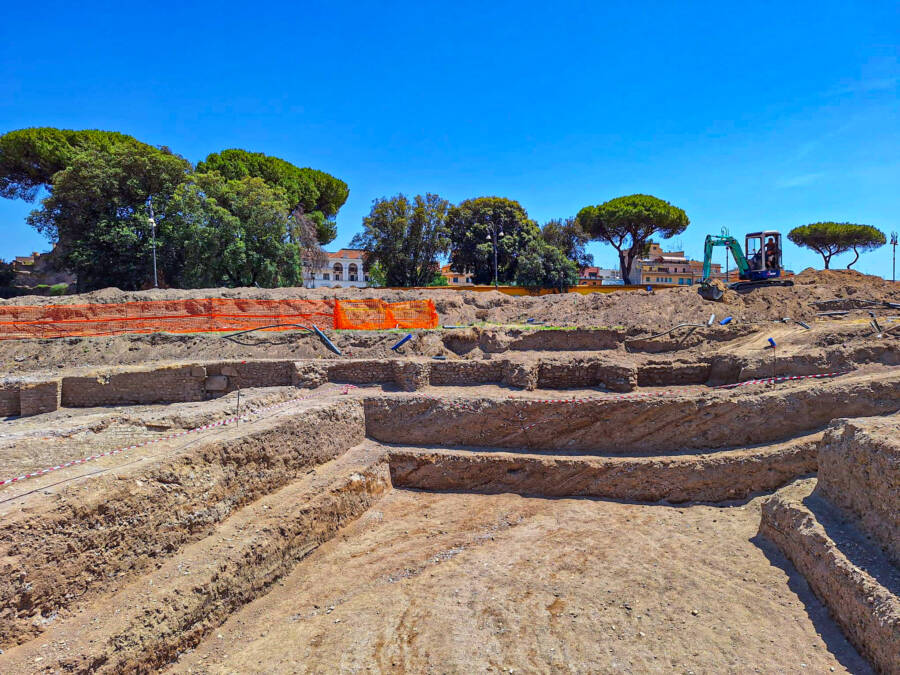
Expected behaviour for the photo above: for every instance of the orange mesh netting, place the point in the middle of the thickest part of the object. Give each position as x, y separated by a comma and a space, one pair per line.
170, 316
377, 315
362, 315
209, 315
415, 314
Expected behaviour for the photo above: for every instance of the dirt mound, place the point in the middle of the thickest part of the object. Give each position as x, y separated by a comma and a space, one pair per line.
647, 310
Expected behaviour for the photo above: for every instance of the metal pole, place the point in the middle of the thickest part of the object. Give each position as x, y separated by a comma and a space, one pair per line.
153, 238
894, 245
494, 239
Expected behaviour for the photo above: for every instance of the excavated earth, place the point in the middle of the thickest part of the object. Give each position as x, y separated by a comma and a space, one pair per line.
487, 498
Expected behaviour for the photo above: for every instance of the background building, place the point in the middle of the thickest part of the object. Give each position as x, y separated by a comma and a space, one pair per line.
456, 278
344, 269
599, 276
673, 267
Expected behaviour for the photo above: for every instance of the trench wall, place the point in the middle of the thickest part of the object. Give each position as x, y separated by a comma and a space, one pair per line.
857, 584
704, 477
101, 533
860, 472
610, 426
198, 382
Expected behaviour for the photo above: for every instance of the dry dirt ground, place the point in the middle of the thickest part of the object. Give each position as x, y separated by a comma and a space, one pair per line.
832, 289
499, 323
454, 583
282, 545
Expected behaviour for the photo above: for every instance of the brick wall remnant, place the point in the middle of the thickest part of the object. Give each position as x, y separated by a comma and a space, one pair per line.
39, 397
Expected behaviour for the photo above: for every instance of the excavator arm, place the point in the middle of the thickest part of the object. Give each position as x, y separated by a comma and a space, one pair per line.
713, 240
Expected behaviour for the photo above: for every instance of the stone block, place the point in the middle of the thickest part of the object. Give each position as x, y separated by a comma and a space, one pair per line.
198, 371
412, 375
39, 397
520, 374
216, 383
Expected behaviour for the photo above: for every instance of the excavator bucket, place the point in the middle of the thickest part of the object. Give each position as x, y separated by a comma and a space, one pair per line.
712, 289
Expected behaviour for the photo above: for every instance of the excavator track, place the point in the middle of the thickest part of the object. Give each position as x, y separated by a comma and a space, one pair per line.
747, 286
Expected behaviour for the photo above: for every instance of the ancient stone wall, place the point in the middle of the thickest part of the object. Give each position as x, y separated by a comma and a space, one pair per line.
466, 372
159, 385
9, 398
586, 372
39, 397
859, 471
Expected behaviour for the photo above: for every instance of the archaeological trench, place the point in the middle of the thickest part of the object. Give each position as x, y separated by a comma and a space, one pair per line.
479, 500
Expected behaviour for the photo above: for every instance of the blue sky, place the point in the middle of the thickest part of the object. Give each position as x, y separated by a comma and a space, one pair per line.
747, 115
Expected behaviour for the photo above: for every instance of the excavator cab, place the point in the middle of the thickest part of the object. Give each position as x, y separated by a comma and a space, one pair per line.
763, 254
759, 264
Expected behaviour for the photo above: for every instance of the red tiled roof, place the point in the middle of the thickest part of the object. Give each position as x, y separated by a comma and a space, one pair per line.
347, 253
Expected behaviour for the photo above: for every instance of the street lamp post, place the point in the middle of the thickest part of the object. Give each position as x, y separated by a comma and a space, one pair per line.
494, 233
894, 261
153, 240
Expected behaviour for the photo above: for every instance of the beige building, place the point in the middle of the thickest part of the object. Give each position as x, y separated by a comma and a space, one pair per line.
673, 267
344, 269
456, 278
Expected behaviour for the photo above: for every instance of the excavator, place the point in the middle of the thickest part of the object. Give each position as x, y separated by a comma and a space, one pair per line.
761, 266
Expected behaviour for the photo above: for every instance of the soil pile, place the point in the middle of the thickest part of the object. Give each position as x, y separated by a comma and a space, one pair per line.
814, 291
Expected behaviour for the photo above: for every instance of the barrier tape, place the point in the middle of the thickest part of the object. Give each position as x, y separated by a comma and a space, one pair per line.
220, 423
782, 379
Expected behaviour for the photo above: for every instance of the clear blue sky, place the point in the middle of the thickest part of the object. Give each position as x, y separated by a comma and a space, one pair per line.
747, 115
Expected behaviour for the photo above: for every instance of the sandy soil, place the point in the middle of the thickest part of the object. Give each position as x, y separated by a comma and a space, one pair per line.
662, 308
449, 583
32, 443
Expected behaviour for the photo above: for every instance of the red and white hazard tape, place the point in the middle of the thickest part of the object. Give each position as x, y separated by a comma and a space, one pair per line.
220, 423
782, 379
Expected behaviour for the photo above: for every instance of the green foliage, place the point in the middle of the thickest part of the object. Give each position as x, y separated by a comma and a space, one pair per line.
317, 193
439, 280
7, 273
377, 275
29, 158
98, 184
471, 223
545, 266
406, 238
628, 222
97, 210
233, 233
59, 289
568, 237
829, 239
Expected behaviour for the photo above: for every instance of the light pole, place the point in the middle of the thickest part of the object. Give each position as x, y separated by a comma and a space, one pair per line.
494, 233
153, 240
894, 261
725, 233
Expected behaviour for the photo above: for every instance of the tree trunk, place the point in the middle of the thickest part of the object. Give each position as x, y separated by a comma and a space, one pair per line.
625, 267
853, 262
827, 261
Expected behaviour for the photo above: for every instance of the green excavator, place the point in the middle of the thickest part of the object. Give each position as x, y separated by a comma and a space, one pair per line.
760, 266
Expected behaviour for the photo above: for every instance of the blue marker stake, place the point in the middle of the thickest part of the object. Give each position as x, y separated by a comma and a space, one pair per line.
774, 371
402, 342
725, 321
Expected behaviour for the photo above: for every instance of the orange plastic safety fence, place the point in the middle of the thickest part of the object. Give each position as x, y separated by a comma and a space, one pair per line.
209, 315
171, 316
415, 314
363, 315
377, 315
